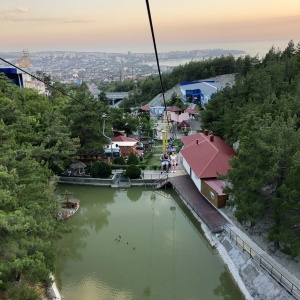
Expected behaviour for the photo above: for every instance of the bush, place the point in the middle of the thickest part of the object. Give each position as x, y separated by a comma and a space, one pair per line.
133, 159
117, 167
119, 161
143, 167
154, 167
133, 172
148, 155
100, 169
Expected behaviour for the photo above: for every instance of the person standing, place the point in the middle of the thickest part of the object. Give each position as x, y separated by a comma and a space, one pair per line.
173, 160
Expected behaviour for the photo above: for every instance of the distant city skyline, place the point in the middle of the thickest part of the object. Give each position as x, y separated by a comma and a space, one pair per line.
122, 26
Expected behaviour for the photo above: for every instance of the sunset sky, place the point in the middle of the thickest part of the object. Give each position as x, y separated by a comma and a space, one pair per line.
123, 25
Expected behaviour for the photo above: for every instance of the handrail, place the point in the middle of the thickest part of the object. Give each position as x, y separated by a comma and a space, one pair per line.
265, 264
160, 181
118, 180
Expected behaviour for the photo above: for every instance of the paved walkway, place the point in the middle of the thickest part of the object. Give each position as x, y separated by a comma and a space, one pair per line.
210, 215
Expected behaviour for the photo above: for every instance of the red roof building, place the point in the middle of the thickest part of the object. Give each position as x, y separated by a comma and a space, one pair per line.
184, 123
174, 108
145, 108
126, 145
205, 156
122, 138
192, 111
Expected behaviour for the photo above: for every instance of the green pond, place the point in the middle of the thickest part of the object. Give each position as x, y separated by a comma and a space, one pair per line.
137, 243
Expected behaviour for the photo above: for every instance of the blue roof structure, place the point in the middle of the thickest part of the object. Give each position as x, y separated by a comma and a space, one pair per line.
14, 75
198, 91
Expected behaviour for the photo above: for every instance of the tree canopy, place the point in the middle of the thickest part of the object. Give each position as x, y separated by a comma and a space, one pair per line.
260, 113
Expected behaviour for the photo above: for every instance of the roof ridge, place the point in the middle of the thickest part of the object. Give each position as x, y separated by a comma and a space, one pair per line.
206, 166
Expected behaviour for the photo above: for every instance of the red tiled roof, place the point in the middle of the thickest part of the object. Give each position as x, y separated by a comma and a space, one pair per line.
174, 108
207, 158
192, 138
122, 138
145, 107
184, 123
192, 111
126, 150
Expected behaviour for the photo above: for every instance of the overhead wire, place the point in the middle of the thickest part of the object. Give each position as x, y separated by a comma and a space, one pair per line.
157, 60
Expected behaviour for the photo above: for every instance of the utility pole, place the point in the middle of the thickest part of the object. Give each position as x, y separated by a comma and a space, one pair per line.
111, 150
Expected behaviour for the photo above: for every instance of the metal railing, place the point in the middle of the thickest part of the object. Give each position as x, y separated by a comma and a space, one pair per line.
152, 175
161, 182
264, 263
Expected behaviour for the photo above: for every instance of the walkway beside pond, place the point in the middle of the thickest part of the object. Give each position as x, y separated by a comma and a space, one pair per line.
210, 215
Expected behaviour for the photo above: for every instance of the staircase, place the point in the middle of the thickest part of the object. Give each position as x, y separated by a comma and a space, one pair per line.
121, 181
161, 182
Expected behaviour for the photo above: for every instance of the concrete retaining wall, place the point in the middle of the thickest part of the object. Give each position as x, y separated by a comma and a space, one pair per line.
103, 182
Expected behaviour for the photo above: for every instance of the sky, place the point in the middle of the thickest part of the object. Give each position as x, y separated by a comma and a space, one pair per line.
123, 25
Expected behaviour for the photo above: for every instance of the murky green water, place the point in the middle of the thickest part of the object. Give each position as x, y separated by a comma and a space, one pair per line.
161, 253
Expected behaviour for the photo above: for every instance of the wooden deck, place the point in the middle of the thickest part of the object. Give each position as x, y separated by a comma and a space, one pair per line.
210, 215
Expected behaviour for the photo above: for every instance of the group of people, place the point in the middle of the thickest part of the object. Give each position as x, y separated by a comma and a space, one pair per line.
169, 162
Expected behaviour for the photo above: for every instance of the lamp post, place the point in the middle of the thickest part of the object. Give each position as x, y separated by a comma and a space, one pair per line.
111, 151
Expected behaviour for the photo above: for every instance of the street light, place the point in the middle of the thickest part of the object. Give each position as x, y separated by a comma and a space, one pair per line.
111, 151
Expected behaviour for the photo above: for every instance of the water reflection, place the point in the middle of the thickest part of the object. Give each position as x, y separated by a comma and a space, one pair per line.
134, 194
224, 289
121, 248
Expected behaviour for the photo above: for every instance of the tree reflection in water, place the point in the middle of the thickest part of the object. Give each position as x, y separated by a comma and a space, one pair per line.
226, 289
134, 194
94, 216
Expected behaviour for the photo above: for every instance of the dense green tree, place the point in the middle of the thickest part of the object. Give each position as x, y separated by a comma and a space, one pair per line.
85, 118
133, 172
28, 207
103, 98
270, 155
101, 169
119, 161
132, 159
123, 121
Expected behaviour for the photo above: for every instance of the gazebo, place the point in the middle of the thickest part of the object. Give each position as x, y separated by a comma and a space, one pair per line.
77, 169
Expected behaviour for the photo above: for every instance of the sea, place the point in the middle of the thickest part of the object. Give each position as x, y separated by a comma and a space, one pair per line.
252, 48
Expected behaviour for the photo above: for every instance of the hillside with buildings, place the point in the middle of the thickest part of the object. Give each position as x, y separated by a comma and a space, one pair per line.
69, 66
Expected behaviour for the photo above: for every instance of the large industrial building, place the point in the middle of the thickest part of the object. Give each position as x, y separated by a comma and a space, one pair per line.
198, 91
